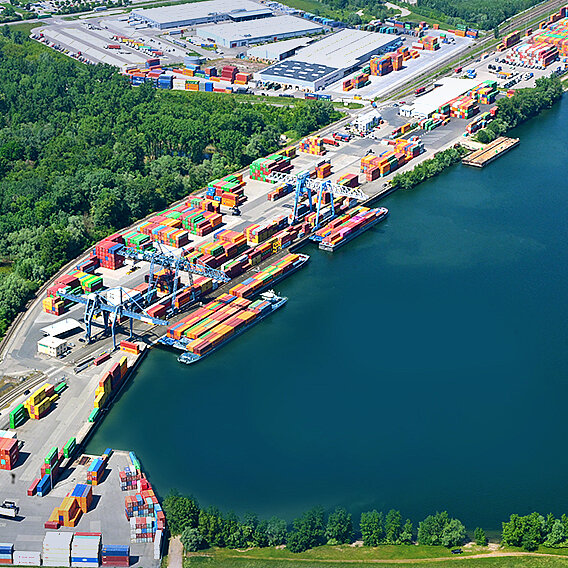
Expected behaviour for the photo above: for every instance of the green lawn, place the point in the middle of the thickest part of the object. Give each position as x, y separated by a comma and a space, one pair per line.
312, 6
25, 27
385, 552
347, 557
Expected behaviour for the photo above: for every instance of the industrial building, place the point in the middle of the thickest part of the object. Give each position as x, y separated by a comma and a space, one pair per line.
328, 60
446, 89
206, 12
63, 328
277, 51
52, 346
236, 34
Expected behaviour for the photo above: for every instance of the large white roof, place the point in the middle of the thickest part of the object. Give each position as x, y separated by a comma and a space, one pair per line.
449, 88
276, 49
61, 327
51, 341
343, 49
238, 31
196, 10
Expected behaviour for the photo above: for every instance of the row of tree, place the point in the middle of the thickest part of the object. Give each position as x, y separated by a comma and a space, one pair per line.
428, 168
202, 528
82, 154
530, 531
525, 104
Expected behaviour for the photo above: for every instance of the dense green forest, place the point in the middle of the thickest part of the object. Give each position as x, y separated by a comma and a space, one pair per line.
82, 153
482, 14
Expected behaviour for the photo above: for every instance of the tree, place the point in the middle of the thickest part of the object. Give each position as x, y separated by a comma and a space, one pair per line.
557, 534
406, 534
354, 19
339, 528
309, 531
513, 531
453, 533
485, 136
431, 528
372, 528
393, 526
260, 535
531, 539
181, 512
527, 531
276, 531
479, 537
192, 539
211, 526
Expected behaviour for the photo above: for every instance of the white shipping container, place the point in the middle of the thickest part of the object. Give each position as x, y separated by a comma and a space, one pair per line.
8, 434
25, 558
158, 544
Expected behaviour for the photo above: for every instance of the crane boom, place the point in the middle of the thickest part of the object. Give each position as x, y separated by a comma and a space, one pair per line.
337, 189
170, 261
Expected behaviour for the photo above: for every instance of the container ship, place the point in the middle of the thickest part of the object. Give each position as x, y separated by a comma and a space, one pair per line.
348, 226
209, 328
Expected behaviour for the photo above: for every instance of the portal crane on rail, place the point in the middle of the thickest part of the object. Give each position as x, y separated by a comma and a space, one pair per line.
303, 184
176, 263
96, 303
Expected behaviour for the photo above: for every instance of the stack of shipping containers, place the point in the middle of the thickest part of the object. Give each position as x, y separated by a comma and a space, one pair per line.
312, 145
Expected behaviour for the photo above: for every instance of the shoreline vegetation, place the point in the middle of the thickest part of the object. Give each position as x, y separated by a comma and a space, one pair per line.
211, 536
514, 111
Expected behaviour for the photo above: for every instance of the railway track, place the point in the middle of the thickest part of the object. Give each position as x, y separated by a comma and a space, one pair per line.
32, 381
537, 12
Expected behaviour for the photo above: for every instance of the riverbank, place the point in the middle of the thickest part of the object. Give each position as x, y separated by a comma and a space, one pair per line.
357, 557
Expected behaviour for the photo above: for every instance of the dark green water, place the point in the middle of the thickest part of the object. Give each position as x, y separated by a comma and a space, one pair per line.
422, 366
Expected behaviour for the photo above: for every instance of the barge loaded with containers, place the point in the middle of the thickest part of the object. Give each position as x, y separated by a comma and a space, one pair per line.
211, 327
348, 226
269, 302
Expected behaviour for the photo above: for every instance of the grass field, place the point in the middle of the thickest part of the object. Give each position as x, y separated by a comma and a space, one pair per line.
25, 27
312, 6
346, 557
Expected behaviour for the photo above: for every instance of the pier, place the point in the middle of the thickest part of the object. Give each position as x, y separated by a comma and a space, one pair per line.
490, 152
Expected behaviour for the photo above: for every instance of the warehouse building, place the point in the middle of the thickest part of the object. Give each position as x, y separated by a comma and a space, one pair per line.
63, 328
277, 51
446, 89
237, 34
210, 11
328, 60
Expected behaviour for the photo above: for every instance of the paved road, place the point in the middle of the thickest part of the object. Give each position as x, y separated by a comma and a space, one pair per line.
175, 553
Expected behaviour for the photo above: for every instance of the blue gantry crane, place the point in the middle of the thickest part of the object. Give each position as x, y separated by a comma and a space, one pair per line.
176, 264
97, 303
305, 185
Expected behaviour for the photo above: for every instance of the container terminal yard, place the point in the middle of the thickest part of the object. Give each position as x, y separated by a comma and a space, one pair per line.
197, 275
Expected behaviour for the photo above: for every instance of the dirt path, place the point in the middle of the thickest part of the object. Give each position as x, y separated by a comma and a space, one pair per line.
494, 554
403, 11
175, 553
